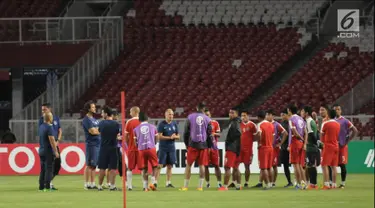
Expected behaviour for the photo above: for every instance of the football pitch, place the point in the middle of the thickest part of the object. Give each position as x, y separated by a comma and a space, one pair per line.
21, 192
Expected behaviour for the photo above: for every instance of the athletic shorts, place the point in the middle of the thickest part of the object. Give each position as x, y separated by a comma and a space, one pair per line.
231, 160
132, 159
296, 153
108, 158
330, 156
313, 159
147, 156
213, 157
246, 157
92, 155
167, 157
265, 157
275, 156
343, 155
201, 155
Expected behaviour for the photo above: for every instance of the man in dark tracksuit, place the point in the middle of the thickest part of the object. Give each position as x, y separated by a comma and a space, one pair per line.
47, 153
284, 153
57, 133
233, 149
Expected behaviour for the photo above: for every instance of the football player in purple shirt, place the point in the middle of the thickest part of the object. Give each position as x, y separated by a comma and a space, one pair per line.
344, 138
146, 136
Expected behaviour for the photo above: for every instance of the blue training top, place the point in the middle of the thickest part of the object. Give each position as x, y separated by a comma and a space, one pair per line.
88, 123
55, 125
167, 129
45, 148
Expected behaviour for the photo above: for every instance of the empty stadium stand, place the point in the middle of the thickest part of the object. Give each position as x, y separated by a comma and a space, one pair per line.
31, 8
9, 29
367, 109
175, 60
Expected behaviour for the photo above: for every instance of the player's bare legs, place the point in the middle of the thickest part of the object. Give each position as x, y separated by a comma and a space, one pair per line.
303, 177
325, 177
201, 176
157, 174
265, 176
169, 174
86, 176
107, 172
187, 177
237, 172
145, 179
303, 173
218, 175
247, 175
112, 178
234, 180
207, 176
307, 177
297, 173
269, 173
102, 174
227, 175
92, 176
155, 171
334, 176
274, 176
260, 183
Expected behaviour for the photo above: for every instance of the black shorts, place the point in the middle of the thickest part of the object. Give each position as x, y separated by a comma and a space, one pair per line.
313, 159
108, 158
284, 157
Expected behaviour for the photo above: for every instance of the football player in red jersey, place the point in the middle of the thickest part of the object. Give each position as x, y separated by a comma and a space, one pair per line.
213, 156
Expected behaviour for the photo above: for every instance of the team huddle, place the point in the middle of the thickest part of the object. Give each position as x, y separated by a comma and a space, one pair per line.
296, 141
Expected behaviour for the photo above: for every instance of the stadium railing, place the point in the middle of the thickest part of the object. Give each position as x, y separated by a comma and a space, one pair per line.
84, 72
57, 29
26, 131
358, 96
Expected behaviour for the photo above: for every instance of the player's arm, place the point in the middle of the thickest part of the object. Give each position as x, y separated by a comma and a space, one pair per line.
157, 137
52, 141
285, 135
59, 135
135, 137
354, 131
176, 135
218, 131
91, 129
210, 137
187, 133
322, 131
295, 132
127, 130
305, 138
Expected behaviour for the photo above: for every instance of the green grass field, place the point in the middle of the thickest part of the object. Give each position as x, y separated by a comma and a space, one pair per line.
21, 192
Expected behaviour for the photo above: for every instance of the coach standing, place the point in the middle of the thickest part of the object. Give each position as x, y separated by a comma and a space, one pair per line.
168, 133
91, 128
57, 133
47, 152
108, 157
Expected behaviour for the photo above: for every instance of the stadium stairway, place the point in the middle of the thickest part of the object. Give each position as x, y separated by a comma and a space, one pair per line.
271, 85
